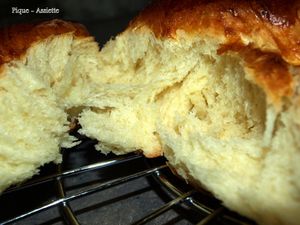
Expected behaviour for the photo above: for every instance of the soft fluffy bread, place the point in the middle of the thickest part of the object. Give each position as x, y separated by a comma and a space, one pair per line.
212, 85
39, 64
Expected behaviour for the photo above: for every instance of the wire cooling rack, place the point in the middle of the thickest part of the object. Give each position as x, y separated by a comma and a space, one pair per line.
112, 171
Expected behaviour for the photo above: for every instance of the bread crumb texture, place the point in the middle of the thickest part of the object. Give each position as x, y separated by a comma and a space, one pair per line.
207, 113
223, 109
39, 81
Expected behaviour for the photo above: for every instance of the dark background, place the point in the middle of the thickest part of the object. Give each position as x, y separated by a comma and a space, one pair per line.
103, 18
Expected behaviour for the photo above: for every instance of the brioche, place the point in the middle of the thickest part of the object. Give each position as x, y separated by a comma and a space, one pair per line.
39, 63
214, 87
211, 85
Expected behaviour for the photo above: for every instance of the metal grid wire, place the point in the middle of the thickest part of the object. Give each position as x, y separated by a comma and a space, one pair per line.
157, 169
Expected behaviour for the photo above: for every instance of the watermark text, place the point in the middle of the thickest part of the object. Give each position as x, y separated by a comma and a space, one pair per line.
38, 10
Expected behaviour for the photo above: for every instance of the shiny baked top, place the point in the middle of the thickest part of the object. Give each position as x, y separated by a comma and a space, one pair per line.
16, 39
272, 25
265, 33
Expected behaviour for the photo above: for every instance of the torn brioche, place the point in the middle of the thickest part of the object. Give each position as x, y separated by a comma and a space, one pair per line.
211, 85
214, 87
43, 69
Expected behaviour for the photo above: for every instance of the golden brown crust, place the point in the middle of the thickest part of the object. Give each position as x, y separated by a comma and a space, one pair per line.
275, 21
271, 73
267, 29
15, 40
269, 70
